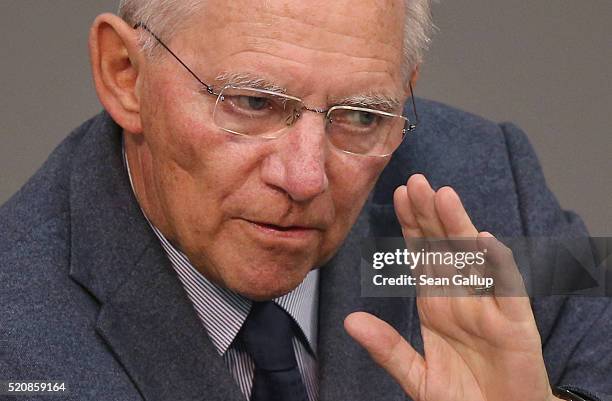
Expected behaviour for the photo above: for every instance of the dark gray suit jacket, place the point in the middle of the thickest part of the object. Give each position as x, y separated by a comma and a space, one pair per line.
89, 298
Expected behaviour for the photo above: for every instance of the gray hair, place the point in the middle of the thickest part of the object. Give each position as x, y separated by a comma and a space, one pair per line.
166, 17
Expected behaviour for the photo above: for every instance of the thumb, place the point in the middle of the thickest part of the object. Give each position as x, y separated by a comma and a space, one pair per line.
388, 349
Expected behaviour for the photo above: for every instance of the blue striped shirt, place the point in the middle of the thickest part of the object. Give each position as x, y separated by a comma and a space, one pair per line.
222, 313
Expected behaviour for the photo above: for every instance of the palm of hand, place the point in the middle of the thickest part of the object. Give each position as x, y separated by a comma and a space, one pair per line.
473, 352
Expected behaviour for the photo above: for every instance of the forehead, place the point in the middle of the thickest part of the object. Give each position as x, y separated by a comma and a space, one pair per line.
302, 44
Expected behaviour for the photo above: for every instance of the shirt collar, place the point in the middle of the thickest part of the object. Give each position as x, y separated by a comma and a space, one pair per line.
221, 311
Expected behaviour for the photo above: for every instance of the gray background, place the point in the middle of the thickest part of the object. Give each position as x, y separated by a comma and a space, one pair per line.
544, 65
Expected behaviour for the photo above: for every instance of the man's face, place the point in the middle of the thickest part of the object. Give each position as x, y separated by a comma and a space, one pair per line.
257, 215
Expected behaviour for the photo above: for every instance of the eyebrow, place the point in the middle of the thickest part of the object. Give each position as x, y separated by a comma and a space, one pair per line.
248, 79
372, 100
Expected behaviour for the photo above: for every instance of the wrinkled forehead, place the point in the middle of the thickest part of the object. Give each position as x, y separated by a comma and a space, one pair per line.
316, 12
377, 20
347, 37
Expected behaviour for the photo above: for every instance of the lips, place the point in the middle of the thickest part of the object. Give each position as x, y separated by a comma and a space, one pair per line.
266, 230
281, 228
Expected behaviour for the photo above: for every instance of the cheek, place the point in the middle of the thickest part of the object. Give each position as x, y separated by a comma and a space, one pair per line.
176, 123
183, 141
351, 180
194, 167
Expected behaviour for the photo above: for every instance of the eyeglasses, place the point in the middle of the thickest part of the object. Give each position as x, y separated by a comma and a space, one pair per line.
265, 114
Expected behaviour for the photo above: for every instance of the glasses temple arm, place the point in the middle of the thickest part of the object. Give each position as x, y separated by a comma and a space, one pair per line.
416, 116
146, 28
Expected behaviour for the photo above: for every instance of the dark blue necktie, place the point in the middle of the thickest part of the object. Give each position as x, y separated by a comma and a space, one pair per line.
266, 335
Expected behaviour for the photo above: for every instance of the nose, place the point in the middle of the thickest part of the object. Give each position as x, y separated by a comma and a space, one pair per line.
298, 164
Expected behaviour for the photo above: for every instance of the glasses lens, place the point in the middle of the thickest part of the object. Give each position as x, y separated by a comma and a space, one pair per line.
365, 131
263, 114
252, 112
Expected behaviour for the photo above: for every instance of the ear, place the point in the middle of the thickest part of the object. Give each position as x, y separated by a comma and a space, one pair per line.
115, 56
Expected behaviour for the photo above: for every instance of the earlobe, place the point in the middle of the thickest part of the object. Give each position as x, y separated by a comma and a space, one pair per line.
114, 55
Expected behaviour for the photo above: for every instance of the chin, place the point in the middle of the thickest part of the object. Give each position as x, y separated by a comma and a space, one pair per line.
272, 281
255, 271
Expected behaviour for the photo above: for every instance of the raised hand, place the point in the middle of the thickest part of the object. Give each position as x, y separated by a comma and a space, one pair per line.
476, 348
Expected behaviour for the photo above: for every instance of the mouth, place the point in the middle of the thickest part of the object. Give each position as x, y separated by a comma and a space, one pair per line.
281, 228
295, 232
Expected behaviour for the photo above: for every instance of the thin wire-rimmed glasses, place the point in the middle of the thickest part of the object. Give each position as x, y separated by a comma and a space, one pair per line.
265, 114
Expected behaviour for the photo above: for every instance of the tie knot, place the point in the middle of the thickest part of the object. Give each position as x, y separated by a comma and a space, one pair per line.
267, 334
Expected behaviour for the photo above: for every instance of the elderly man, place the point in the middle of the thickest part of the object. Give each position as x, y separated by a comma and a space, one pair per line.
198, 240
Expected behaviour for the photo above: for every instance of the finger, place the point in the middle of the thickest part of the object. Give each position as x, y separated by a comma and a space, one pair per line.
459, 228
422, 198
452, 214
405, 215
510, 291
411, 230
388, 349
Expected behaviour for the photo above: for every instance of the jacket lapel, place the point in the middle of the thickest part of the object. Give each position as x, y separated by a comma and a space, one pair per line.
145, 317
154, 332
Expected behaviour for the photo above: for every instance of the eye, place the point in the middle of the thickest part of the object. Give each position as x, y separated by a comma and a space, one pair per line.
366, 118
253, 103
361, 118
